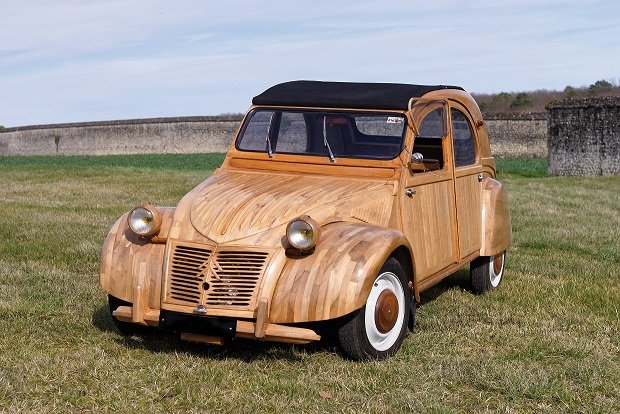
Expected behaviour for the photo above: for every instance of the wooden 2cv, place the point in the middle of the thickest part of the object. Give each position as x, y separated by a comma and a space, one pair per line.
337, 203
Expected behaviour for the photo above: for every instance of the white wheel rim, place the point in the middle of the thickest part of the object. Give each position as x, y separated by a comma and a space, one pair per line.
496, 277
384, 341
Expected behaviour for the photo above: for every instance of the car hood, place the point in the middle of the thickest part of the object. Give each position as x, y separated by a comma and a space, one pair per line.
232, 205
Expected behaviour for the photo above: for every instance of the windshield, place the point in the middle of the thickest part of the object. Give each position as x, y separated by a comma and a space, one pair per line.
331, 134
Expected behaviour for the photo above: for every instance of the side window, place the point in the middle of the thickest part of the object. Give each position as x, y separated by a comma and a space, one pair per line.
463, 139
292, 136
432, 125
429, 141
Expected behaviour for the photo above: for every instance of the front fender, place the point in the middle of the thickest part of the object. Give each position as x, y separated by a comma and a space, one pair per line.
336, 279
131, 265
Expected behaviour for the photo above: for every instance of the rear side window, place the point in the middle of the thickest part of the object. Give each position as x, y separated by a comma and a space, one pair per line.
463, 139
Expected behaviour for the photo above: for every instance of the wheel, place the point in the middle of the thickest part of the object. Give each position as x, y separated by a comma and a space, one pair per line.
486, 272
376, 330
125, 328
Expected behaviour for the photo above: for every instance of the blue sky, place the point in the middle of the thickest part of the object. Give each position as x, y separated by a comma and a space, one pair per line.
71, 61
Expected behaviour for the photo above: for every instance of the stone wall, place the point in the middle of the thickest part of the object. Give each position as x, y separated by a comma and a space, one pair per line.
584, 136
511, 135
517, 134
137, 136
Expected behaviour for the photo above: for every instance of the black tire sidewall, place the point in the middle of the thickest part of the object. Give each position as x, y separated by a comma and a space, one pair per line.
365, 348
480, 273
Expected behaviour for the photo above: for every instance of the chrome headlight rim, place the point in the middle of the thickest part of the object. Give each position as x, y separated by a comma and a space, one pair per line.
303, 233
144, 220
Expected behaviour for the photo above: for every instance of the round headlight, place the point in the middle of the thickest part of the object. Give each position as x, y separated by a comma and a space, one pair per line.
144, 220
303, 233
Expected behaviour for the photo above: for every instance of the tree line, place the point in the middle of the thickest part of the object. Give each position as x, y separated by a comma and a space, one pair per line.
536, 101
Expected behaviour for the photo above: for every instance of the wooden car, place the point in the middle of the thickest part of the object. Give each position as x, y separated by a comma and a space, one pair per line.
336, 205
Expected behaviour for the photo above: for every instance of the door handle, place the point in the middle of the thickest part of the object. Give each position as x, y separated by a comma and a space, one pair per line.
480, 177
409, 192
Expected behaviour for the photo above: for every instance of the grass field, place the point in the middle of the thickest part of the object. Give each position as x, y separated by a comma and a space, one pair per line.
547, 341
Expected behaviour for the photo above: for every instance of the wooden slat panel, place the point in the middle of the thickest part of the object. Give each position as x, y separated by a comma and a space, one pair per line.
469, 216
336, 278
278, 333
239, 204
126, 260
429, 224
496, 225
231, 275
327, 169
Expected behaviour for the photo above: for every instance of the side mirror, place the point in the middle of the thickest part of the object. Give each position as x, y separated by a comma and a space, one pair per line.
417, 162
417, 158
420, 164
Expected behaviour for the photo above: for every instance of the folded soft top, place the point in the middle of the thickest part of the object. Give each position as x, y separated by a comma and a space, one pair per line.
344, 94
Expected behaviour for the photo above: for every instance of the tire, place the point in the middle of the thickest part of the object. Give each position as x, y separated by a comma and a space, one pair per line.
376, 332
486, 272
125, 328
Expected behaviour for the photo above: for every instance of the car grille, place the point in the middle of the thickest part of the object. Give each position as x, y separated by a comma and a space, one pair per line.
223, 276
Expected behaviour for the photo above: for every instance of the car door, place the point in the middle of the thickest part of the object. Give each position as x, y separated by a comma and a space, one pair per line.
429, 204
467, 180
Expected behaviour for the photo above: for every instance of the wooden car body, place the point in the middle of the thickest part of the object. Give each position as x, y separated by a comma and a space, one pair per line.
220, 265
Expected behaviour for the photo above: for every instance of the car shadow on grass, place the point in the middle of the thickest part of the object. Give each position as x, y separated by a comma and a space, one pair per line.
157, 340
456, 281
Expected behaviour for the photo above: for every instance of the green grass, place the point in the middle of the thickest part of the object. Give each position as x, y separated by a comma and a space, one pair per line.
523, 167
154, 161
547, 341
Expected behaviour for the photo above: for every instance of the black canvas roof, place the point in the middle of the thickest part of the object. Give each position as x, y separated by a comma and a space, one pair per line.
345, 94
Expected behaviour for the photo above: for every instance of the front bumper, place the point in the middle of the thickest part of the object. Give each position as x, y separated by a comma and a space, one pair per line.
215, 330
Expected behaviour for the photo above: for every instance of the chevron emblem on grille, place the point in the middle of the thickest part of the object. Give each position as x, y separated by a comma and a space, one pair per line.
209, 267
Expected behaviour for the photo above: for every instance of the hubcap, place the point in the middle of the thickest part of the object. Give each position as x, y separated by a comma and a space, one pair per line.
498, 263
386, 312
496, 269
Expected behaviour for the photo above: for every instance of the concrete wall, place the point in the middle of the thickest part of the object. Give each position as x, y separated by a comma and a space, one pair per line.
511, 135
518, 134
138, 136
584, 136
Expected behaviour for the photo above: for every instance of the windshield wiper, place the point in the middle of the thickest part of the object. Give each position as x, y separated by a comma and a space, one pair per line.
268, 140
325, 143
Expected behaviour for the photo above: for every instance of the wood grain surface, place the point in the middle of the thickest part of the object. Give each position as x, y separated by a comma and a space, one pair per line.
496, 223
336, 279
235, 205
429, 223
469, 217
127, 260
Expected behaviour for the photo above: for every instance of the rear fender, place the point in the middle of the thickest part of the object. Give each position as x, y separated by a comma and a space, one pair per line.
496, 223
336, 279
